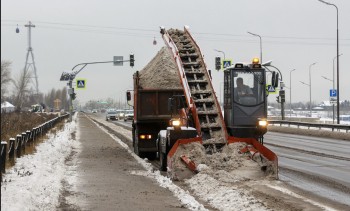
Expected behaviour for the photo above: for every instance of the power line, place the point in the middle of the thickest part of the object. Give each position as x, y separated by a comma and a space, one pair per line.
226, 37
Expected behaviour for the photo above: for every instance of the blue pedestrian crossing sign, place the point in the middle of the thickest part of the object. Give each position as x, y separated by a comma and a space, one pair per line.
270, 89
226, 63
81, 83
332, 92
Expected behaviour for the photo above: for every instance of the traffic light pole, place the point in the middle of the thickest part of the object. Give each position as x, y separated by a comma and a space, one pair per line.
281, 97
70, 100
73, 74
282, 108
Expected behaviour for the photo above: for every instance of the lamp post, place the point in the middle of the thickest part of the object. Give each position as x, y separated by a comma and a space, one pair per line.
260, 44
333, 88
220, 52
310, 85
338, 91
290, 92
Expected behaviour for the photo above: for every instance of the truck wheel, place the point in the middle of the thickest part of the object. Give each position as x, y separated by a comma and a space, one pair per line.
163, 161
151, 155
136, 145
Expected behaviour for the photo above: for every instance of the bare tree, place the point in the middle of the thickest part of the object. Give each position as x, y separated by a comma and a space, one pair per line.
22, 88
5, 77
64, 99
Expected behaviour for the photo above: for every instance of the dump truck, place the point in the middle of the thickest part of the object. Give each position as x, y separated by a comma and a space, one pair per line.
150, 97
196, 124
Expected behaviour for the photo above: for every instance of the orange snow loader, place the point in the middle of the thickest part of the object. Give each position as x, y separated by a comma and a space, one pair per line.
197, 126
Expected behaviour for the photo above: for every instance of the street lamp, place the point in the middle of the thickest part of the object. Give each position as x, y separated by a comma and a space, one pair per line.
260, 44
310, 85
338, 91
290, 93
220, 52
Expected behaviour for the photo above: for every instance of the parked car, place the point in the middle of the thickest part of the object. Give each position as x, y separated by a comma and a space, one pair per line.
129, 115
94, 111
111, 115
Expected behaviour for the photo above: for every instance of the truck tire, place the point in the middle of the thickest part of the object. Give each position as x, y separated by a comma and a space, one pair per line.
150, 155
136, 145
163, 161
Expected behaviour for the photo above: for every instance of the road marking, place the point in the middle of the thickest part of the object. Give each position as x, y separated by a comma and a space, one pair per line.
286, 191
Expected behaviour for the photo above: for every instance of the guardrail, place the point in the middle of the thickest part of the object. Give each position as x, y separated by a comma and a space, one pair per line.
17, 145
309, 125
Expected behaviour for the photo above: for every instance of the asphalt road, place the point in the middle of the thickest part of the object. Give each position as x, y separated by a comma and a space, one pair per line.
317, 166
103, 178
314, 168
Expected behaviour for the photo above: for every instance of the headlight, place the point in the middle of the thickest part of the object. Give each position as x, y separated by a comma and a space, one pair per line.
145, 136
175, 123
262, 123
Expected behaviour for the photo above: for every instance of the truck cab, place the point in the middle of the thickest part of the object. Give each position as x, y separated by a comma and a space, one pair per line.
245, 100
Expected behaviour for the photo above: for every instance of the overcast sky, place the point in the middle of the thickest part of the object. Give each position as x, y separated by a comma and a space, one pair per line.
294, 33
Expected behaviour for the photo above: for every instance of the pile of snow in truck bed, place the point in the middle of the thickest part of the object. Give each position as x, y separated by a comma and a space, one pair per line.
161, 72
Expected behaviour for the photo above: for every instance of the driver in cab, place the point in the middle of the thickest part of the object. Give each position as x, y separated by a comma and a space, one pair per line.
242, 90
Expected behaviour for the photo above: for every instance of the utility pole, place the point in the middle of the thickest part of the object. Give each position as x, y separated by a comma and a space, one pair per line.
30, 52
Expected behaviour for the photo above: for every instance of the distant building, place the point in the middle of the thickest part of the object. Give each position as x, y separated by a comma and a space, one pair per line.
7, 107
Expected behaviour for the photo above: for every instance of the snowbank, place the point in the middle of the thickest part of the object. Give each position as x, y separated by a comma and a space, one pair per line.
34, 182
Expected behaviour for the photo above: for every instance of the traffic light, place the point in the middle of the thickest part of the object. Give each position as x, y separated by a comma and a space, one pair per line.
217, 63
278, 99
128, 96
132, 60
73, 95
274, 79
283, 96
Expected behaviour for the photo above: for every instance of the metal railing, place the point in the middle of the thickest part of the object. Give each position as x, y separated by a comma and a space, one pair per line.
17, 145
320, 126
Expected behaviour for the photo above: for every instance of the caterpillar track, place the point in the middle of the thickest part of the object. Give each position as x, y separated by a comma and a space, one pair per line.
197, 86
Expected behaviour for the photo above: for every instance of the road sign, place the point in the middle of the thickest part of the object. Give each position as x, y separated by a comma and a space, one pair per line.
270, 89
118, 60
226, 63
333, 100
81, 83
332, 92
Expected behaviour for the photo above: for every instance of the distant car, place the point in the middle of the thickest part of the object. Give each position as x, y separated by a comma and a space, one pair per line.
129, 115
120, 114
111, 115
94, 111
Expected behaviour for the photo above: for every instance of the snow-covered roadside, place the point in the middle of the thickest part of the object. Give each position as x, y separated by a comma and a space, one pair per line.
34, 182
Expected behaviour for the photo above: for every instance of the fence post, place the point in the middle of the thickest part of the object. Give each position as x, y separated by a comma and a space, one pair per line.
19, 145
12, 148
29, 137
3, 155
24, 142
34, 133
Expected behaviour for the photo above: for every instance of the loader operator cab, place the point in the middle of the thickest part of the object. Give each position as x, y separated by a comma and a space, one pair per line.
245, 105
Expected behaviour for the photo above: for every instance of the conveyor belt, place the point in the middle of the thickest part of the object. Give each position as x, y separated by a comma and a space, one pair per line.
198, 82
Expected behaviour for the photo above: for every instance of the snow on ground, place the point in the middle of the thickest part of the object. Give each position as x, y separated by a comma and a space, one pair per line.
34, 182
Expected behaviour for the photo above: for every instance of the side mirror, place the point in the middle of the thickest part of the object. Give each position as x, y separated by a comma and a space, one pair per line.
128, 96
